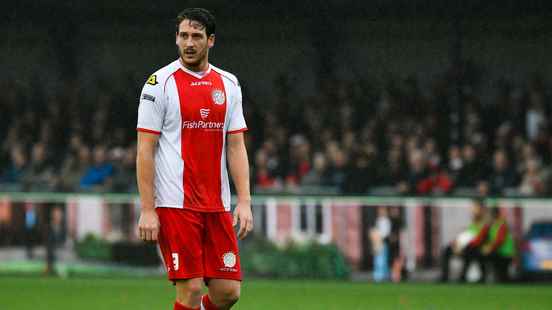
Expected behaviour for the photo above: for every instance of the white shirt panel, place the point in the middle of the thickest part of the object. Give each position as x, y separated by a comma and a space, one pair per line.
159, 112
169, 166
234, 120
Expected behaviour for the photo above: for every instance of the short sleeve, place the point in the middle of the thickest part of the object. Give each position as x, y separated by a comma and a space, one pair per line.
151, 110
237, 120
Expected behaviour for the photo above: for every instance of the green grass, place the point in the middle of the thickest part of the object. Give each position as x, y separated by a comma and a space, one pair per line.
32, 293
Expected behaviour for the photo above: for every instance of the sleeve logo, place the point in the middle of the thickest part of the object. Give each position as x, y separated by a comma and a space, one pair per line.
152, 80
148, 97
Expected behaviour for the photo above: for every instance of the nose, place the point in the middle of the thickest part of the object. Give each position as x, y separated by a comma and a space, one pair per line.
189, 42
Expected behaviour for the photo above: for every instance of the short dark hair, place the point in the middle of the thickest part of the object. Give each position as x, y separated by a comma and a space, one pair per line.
200, 15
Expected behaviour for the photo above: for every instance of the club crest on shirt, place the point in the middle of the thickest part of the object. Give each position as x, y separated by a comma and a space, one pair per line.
229, 259
218, 96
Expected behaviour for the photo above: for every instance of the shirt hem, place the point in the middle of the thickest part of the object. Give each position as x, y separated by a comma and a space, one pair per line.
148, 130
237, 131
198, 209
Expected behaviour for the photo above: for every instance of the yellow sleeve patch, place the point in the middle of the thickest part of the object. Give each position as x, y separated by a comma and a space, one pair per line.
152, 80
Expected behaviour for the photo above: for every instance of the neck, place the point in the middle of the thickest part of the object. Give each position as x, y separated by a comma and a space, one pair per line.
202, 66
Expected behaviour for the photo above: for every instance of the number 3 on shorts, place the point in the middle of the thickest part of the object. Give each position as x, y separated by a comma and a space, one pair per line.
175, 260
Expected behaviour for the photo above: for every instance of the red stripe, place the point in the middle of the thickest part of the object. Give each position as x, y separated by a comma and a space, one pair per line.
148, 131
201, 149
237, 131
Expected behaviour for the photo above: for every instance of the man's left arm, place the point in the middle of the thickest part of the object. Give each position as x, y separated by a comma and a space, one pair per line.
239, 170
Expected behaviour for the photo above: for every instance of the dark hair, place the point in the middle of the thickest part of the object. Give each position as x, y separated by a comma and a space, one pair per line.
199, 15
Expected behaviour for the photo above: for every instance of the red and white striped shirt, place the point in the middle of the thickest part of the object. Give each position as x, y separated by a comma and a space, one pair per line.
191, 113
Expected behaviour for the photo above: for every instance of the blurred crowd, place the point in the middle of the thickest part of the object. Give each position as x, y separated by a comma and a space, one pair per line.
450, 134
71, 139
404, 138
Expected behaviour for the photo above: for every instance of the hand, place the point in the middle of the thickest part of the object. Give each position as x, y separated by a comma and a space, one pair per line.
148, 225
243, 215
486, 250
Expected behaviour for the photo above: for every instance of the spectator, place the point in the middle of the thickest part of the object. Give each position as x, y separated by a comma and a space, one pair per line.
16, 170
56, 236
502, 176
299, 160
456, 163
362, 172
273, 158
396, 257
319, 174
380, 243
532, 182
31, 232
263, 177
125, 170
75, 144
74, 167
471, 172
393, 173
337, 172
431, 154
439, 181
97, 177
417, 180
39, 176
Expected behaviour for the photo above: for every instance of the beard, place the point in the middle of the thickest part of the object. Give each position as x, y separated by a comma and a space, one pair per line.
193, 61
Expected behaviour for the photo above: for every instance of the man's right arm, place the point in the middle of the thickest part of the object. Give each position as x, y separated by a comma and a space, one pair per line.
145, 170
151, 113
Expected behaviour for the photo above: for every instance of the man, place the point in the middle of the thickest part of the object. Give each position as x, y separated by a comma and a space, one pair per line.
380, 239
502, 175
500, 247
190, 124
31, 229
468, 244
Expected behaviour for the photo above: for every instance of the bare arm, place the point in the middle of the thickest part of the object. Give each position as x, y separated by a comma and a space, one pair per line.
239, 170
145, 170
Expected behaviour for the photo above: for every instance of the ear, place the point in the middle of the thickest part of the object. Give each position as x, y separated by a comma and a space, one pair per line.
176, 38
211, 41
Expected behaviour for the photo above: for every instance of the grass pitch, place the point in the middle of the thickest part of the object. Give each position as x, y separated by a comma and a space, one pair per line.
30, 293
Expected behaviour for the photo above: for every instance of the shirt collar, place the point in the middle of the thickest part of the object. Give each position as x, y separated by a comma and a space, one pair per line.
198, 75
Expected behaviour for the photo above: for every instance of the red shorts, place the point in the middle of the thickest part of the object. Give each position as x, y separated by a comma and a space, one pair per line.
198, 244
